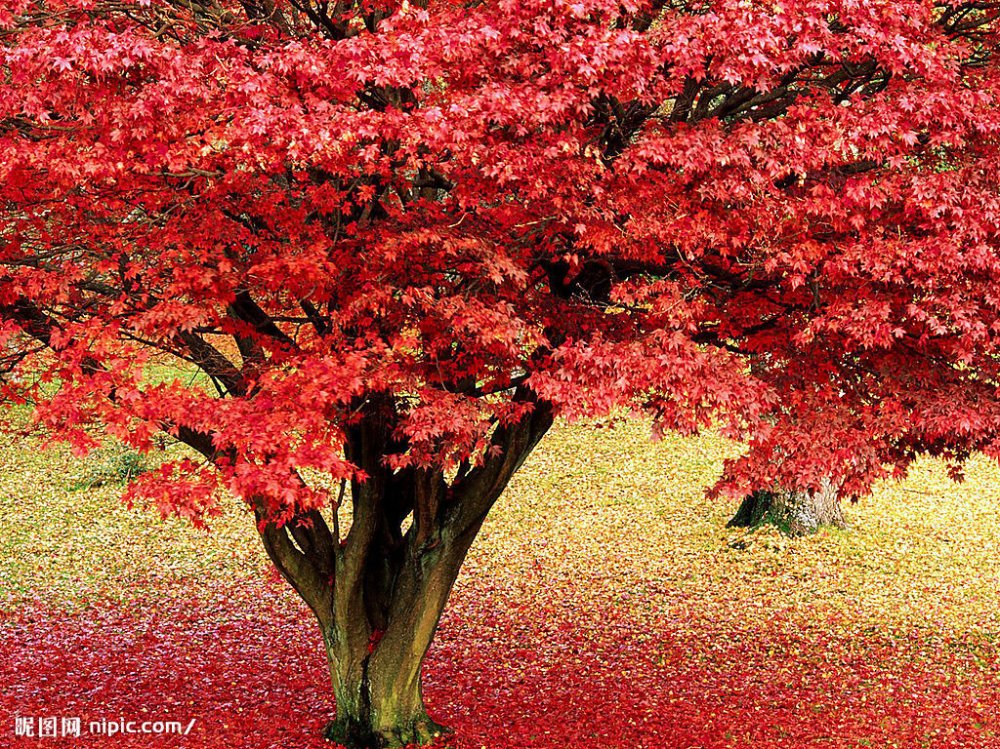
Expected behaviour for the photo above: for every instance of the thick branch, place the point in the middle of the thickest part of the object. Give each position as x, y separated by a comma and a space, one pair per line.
297, 567
246, 310
214, 364
474, 495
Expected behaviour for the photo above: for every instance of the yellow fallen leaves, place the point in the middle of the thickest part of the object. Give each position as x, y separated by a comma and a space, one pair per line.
602, 515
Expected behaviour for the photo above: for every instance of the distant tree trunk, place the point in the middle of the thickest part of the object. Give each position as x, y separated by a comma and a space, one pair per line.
796, 513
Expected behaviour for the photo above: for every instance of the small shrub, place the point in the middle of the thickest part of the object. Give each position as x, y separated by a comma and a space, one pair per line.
112, 465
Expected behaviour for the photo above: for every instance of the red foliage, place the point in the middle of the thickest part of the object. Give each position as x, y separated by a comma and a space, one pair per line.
504, 674
444, 202
383, 233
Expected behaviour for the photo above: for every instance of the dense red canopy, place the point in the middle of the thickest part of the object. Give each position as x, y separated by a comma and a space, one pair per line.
780, 217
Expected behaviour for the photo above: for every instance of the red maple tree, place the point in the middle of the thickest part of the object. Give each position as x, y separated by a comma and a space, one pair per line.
395, 240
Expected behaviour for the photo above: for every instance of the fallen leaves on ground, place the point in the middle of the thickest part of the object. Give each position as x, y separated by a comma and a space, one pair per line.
605, 605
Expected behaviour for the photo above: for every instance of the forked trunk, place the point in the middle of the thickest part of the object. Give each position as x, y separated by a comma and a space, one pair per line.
378, 592
376, 673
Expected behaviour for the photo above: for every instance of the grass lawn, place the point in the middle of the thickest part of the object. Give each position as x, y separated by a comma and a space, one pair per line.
604, 605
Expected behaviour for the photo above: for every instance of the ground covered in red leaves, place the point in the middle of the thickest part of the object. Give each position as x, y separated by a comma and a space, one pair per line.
604, 607
250, 673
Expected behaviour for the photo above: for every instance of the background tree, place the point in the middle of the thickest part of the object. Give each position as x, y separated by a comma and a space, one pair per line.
398, 239
793, 512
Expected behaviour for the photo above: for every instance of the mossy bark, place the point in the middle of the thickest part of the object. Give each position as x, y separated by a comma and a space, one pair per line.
376, 673
378, 591
795, 513
379, 697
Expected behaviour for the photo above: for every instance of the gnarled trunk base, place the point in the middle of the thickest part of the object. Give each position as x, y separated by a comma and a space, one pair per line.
377, 684
353, 733
795, 513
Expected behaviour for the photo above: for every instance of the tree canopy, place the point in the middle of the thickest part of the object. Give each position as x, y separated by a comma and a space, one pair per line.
779, 217
395, 240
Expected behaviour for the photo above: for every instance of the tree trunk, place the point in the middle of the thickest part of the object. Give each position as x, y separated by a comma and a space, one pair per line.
378, 614
376, 674
380, 704
379, 592
377, 641
795, 513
